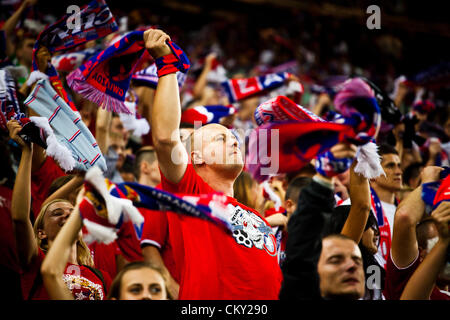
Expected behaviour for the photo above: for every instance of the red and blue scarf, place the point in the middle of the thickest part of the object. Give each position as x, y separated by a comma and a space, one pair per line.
206, 114
106, 206
105, 78
289, 136
239, 89
149, 77
210, 207
96, 21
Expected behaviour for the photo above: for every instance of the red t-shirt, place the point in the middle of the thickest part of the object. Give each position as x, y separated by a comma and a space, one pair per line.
8, 251
104, 256
156, 232
41, 180
219, 266
84, 284
396, 280
129, 243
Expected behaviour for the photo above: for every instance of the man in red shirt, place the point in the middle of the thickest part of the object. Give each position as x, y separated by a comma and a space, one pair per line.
215, 265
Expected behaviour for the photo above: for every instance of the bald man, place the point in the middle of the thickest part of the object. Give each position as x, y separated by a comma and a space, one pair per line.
213, 264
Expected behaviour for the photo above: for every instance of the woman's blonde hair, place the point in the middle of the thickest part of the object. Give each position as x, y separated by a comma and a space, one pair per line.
83, 253
243, 189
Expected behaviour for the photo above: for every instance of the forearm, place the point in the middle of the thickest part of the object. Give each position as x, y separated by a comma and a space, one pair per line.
66, 190
422, 282
356, 222
360, 206
165, 120
102, 125
413, 205
404, 248
200, 84
20, 211
276, 220
11, 23
55, 262
166, 111
21, 197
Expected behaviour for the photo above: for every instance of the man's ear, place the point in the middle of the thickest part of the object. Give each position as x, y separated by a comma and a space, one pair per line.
144, 167
289, 205
197, 158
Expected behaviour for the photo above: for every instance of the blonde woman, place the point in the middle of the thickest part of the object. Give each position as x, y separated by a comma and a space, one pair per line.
33, 243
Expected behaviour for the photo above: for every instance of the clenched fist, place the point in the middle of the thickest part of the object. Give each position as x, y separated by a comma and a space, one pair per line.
155, 43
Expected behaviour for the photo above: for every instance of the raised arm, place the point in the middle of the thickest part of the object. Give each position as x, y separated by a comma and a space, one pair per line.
423, 280
404, 247
360, 205
11, 24
166, 114
66, 190
21, 200
102, 125
200, 84
55, 261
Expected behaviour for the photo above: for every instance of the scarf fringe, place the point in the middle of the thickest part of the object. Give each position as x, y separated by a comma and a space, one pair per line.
56, 150
78, 83
99, 233
369, 161
35, 76
115, 206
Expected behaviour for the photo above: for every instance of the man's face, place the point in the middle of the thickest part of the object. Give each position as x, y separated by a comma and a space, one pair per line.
218, 147
340, 269
25, 52
118, 128
392, 167
118, 145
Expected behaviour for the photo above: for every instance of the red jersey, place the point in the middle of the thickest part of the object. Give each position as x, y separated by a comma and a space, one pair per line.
41, 180
156, 232
128, 243
84, 284
8, 251
217, 265
397, 278
104, 256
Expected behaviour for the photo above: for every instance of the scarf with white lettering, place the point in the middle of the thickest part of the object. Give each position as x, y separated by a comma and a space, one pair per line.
105, 78
107, 206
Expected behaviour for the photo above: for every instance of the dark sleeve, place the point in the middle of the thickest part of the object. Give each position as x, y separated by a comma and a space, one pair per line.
304, 244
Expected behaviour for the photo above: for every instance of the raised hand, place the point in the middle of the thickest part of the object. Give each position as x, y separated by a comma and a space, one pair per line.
155, 43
